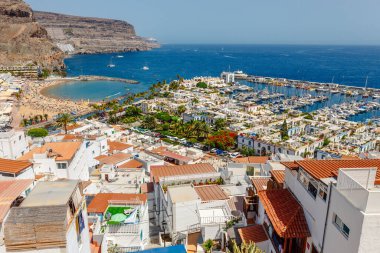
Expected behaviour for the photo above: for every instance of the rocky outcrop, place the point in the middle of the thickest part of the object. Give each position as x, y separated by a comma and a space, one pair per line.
92, 35
23, 41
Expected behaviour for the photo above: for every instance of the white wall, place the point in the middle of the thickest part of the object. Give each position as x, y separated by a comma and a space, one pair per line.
13, 144
314, 209
335, 241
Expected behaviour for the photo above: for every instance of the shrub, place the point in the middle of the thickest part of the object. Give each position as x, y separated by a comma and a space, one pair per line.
38, 132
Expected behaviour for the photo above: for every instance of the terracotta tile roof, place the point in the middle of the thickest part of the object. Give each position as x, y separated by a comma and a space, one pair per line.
64, 151
290, 165
9, 191
13, 166
73, 126
100, 202
285, 213
210, 192
278, 175
163, 151
260, 183
329, 168
188, 169
254, 233
69, 137
132, 164
113, 159
147, 187
117, 146
176, 156
251, 159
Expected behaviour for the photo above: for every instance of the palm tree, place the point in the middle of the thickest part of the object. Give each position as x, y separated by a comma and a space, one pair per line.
149, 122
181, 109
219, 124
63, 120
245, 248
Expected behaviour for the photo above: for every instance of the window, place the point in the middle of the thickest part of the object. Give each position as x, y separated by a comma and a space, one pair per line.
309, 183
61, 165
343, 228
322, 192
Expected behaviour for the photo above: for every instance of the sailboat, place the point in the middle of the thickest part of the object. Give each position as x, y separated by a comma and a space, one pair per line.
111, 65
145, 68
365, 94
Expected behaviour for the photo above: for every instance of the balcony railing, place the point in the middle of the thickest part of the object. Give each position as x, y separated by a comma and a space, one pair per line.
126, 229
216, 219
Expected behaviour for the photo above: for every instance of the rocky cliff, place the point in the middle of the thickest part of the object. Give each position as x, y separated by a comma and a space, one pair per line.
23, 40
92, 35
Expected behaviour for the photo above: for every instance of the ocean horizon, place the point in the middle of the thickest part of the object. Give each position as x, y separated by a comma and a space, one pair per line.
347, 65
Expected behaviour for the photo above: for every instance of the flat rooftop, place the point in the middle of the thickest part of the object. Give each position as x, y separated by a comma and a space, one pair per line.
182, 193
53, 193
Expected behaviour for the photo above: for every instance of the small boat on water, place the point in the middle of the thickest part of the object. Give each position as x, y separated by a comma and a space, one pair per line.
145, 68
120, 56
111, 65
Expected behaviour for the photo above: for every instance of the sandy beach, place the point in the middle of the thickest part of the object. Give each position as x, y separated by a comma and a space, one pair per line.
35, 101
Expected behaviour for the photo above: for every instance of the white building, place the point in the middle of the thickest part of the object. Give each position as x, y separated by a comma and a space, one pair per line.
13, 144
353, 222
13, 169
60, 160
54, 215
123, 219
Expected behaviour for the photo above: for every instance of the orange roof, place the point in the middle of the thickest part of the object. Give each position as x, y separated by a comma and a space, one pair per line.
329, 168
254, 233
285, 213
73, 126
210, 192
100, 202
132, 164
188, 169
176, 156
117, 146
113, 159
13, 166
290, 165
9, 191
63, 151
251, 159
260, 183
69, 137
278, 175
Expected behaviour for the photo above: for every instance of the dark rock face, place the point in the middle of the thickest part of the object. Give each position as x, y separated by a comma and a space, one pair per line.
92, 35
23, 41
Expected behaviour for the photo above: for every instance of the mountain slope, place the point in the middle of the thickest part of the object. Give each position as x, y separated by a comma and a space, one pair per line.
92, 35
23, 40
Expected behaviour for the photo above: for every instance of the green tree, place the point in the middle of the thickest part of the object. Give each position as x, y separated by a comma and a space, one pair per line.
244, 248
37, 132
202, 85
219, 124
149, 122
284, 131
208, 245
63, 120
132, 111
181, 110
326, 141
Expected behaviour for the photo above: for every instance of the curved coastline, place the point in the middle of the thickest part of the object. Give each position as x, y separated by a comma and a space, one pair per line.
51, 83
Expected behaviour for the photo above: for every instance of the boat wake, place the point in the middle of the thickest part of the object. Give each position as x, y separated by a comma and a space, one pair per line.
110, 96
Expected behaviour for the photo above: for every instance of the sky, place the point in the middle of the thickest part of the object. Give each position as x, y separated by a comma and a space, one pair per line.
343, 22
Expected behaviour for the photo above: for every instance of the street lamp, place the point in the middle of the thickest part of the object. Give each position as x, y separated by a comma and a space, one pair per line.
164, 223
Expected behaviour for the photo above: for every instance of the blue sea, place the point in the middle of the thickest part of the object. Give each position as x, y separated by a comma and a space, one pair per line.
349, 65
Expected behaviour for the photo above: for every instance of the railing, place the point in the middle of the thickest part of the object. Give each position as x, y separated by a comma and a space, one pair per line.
127, 229
216, 219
